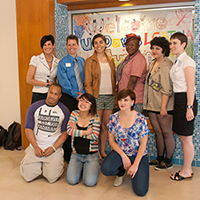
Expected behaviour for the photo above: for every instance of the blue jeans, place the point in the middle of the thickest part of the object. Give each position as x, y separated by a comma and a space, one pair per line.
86, 163
112, 165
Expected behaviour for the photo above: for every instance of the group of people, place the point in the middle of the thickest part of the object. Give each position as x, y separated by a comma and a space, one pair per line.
88, 90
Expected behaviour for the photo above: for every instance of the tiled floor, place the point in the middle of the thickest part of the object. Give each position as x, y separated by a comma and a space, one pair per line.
12, 185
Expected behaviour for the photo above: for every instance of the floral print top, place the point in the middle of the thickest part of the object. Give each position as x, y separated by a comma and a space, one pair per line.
128, 138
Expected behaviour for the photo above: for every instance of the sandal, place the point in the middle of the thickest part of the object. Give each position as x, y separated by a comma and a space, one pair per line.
178, 177
180, 171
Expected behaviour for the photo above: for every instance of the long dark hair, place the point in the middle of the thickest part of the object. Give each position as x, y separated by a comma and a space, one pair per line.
92, 100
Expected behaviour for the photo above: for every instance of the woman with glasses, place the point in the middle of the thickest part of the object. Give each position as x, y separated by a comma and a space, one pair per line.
84, 128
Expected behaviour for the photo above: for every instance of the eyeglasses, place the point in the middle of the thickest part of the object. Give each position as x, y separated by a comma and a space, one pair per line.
84, 101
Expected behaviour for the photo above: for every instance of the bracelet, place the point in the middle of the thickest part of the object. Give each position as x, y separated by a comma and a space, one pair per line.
188, 106
53, 148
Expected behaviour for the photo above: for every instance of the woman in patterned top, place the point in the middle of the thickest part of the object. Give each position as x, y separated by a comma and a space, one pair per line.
128, 134
84, 127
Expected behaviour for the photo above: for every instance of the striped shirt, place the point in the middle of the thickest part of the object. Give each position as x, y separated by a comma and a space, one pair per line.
93, 137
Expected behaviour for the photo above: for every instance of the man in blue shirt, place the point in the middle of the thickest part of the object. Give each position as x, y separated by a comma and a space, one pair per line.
72, 86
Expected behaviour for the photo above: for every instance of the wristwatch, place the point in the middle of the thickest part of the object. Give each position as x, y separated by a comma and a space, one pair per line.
189, 106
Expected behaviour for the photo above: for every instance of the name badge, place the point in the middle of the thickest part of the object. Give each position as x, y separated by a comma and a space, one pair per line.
67, 64
156, 86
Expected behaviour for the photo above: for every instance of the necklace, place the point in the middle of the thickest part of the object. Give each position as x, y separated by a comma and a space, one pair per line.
50, 61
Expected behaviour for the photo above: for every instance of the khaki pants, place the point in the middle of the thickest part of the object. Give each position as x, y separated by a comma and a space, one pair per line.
50, 167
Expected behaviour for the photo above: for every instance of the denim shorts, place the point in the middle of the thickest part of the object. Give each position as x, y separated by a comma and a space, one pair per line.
105, 101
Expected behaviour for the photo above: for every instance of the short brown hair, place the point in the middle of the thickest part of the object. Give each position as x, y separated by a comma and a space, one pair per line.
125, 93
72, 37
180, 36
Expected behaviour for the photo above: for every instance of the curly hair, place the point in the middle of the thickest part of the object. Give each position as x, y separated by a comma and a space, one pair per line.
163, 43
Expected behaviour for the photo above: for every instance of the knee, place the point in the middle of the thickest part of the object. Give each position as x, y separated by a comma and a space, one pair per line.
104, 126
105, 169
52, 178
140, 192
28, 174
72, 180
90, 182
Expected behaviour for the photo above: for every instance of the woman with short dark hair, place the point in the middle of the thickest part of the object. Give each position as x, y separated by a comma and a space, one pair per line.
182, 74
159, 100
42, 69
128, 135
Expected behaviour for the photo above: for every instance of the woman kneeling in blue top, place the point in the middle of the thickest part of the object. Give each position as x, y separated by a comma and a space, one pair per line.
128, 135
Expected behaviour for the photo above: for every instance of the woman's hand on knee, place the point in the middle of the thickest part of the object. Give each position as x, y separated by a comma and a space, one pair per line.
132, 170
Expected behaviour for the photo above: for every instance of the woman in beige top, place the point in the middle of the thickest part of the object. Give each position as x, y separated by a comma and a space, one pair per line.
158, 101
100, 81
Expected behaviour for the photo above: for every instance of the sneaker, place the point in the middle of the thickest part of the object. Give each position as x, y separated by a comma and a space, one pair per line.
154, 162
119, 180
164, 165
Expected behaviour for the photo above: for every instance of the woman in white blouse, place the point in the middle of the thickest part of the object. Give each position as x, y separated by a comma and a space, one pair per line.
42, 69
100, 82
182, 74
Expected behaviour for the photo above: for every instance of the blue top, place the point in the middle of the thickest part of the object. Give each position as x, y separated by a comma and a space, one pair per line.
66, 75
128, 138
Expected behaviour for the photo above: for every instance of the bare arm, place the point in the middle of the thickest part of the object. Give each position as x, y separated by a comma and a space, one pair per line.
134, 167
163, 109
132, 82
190, 80
126, 161
31, 138
30, 77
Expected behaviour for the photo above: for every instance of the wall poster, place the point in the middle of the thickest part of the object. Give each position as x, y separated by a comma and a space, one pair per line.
147, 23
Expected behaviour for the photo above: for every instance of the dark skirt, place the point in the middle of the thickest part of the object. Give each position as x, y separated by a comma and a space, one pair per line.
180, 124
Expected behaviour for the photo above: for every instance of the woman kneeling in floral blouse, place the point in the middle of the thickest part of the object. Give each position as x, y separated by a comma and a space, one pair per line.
128, 134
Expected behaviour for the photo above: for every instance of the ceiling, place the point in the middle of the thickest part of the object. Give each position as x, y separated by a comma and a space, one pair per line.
94, 4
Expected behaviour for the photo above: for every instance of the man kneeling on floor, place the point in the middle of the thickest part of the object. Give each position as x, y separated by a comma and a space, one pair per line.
45, 128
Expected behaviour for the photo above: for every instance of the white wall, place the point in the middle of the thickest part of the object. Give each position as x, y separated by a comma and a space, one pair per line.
9, 81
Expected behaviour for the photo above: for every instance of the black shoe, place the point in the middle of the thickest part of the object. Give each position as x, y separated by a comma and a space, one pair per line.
164, 165
154, 162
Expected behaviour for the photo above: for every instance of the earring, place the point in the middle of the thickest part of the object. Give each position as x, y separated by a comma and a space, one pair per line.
132, 104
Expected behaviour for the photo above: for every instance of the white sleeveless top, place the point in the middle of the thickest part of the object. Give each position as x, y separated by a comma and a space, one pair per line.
105, 82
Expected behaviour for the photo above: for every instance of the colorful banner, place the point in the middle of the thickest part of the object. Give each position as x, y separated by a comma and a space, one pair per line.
145, 23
